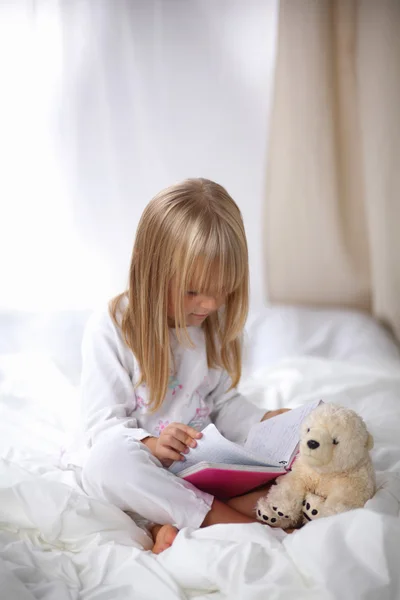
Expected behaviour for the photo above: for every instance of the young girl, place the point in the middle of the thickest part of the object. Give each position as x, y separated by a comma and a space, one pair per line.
164, 360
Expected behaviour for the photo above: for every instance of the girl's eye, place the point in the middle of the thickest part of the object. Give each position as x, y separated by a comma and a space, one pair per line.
335, 441
192, 293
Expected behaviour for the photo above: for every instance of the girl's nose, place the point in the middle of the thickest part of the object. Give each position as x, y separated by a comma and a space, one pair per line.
209, 303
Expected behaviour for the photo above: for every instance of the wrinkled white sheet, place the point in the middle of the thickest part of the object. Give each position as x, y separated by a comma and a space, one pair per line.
55, 543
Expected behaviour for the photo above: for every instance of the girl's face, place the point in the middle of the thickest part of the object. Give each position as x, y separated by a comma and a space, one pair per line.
197, 306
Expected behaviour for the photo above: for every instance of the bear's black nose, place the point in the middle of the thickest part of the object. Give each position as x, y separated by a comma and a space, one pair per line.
312, 444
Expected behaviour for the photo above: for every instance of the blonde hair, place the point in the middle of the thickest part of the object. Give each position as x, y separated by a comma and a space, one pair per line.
190, 234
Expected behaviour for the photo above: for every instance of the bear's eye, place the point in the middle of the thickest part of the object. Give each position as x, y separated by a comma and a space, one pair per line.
335, 441
308, 430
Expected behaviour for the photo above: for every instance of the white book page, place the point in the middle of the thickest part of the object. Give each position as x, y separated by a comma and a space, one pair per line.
276, 439
213, 447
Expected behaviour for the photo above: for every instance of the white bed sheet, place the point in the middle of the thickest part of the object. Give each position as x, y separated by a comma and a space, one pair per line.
56, 543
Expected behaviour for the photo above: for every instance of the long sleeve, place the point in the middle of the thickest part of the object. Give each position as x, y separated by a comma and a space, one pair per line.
107, 391
232, 413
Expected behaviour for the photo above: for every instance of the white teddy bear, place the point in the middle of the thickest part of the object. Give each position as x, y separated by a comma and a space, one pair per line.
332, 473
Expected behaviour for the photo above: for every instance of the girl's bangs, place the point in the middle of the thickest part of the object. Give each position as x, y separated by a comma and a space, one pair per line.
215, 269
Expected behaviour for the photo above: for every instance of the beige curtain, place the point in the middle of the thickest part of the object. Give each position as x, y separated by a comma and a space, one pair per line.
333, 185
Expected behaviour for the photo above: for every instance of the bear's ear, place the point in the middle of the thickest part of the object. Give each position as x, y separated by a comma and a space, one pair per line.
370, 442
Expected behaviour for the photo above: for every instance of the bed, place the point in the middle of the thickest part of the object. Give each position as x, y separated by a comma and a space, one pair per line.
57, 543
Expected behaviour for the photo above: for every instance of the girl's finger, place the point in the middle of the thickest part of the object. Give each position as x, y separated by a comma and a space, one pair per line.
171, 453
181, 436
170, 441
193, 433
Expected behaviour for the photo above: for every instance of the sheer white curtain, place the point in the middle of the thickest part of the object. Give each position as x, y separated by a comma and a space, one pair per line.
65, 129
102, 103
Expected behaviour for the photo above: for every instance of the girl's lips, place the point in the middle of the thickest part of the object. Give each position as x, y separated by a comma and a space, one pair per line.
200, 316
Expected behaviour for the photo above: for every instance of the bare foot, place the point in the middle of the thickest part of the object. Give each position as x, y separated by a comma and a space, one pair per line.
163, 536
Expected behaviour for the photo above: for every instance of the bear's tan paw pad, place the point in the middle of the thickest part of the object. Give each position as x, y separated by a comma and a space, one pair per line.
272, 515
312, 506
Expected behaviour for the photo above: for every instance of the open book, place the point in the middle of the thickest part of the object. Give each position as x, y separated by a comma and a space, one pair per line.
225, 469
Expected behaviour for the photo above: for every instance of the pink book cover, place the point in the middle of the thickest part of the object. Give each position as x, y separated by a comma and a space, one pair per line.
227, 481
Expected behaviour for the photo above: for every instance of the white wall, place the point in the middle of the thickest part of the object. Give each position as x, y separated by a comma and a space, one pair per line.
142, 94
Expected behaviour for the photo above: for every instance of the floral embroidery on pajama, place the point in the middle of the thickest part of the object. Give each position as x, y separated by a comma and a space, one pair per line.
201, 414
174, 385
141, 403
161, 426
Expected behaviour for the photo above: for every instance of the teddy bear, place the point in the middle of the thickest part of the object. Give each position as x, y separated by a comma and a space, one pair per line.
332, 472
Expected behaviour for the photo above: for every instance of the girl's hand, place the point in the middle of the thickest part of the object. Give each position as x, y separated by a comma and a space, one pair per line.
274, 413
176, 439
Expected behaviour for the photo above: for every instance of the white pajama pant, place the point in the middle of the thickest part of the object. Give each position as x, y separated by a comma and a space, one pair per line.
123, 472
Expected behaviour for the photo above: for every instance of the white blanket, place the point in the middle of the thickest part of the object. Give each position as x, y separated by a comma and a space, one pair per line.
56, 543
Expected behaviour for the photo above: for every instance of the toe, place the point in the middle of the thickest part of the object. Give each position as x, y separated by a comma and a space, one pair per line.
164, 539
170, 535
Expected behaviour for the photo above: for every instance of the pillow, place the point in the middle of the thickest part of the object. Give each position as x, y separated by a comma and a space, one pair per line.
285, 331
